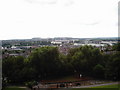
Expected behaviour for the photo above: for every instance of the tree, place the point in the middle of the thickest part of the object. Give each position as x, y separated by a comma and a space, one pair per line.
113, 67
45, 61
85, 58
116, 47
12, 67
98, 71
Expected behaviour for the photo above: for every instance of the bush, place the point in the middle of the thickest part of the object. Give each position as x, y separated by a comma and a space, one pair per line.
62, 85
31, 84
77, 84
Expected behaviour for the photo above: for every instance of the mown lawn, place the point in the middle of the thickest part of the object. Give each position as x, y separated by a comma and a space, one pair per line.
14, 88
108, 86
105, 87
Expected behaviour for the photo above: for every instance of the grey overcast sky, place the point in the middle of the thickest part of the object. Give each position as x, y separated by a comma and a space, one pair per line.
22, 19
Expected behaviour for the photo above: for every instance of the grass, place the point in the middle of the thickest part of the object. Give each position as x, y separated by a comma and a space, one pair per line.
14, 88
108, 86
105, 87
95, 89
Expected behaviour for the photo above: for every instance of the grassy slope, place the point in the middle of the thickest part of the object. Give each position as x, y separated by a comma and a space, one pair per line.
108, 86
105, 87
14, 88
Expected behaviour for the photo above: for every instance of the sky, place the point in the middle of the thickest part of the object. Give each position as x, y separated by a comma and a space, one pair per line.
25, 19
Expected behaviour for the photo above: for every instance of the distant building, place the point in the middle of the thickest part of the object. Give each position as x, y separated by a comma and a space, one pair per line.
56, 42
109, 42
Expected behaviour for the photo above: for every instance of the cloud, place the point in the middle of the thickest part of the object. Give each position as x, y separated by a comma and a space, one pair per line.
51, 2
91, 24
69, 2
94, 23
43, 2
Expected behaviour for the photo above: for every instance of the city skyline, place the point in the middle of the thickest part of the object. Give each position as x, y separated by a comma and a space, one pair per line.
25, 19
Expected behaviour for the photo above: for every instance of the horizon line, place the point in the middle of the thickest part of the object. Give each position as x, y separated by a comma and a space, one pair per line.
56, 37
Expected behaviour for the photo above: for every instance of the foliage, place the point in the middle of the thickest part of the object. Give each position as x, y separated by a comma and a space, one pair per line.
48, 63
4, 82
98, 71
31, 84
85, 58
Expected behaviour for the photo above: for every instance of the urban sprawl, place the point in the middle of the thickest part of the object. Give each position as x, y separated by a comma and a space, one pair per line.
24, 47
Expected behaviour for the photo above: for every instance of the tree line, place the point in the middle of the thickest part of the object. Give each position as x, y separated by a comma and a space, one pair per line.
48, 63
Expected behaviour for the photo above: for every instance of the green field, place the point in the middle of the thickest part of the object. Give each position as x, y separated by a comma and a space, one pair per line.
108, 86
14, 88
105, 87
